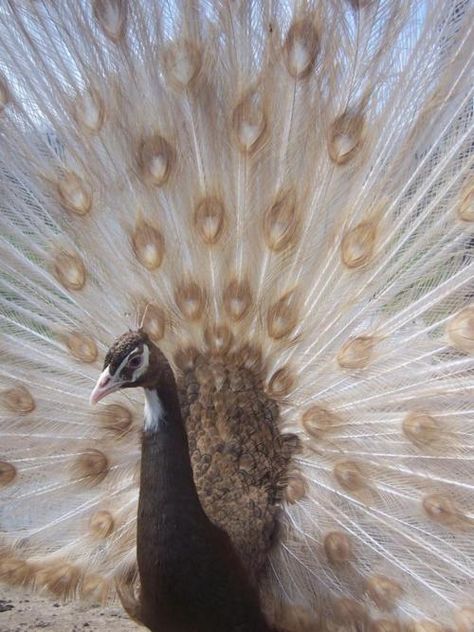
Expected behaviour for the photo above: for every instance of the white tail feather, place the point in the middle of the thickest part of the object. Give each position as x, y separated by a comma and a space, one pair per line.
299, 176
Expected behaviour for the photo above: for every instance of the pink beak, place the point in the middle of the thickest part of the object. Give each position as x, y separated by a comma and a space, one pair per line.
105, 385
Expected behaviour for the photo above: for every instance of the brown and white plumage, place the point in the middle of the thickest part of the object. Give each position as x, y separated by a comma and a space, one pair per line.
288, 187
191, 576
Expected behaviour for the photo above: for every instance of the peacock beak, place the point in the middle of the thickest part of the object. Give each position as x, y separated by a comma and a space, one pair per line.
105, 385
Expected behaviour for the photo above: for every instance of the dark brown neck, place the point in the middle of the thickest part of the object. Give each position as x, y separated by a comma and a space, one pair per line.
168, 496
167, 476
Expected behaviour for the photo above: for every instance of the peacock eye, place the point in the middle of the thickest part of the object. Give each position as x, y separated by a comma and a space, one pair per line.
135, 362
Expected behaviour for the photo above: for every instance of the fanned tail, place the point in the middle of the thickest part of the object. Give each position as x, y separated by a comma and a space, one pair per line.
284, 185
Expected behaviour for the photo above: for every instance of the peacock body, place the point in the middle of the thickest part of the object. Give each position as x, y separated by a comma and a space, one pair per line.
282, 195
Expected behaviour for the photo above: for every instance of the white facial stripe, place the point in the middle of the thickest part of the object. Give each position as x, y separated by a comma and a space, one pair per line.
141, 370
124, 362
154, 412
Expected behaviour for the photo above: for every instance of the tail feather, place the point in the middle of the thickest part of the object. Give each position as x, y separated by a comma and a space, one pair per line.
297, 179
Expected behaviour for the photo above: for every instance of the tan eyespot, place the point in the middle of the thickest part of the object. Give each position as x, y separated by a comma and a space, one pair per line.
81, 346
357, 246
90, 467
101, 524
421, 429
346, 136
74, 194
7, 473
155, 160
112, 17
148, 245
18, 399
296, 488
282, 317
444, 510
249, 122
337, 547
349, 475
384, 592
237, 299
116, 419
281, 383
356, 353
89, 111
209, 219
69, 270
301, 48
317, 420
460, 330
218, 338
280, 222
182, 63
190, 299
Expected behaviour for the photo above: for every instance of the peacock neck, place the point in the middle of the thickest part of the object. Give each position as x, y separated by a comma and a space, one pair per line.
166, 472
168, 498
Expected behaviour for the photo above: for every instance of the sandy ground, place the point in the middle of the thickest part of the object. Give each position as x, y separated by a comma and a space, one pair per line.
21, 612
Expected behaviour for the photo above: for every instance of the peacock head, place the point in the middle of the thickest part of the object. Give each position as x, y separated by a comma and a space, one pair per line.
132, 360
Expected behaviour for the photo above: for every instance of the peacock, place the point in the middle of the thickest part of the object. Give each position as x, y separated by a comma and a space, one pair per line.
262, 213
191, 577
